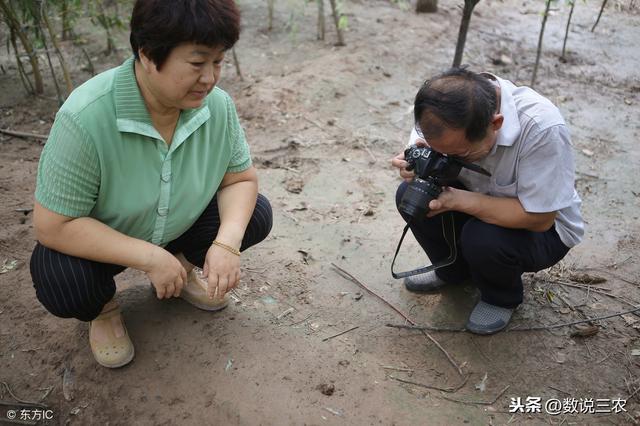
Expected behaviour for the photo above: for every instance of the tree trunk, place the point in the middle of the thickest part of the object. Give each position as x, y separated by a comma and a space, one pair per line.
14, 24
321, 26
604, 3
237, 63
539, 51
462, 32
66, 24
566, 31
427, 6
270, 5
52, 36
336, 20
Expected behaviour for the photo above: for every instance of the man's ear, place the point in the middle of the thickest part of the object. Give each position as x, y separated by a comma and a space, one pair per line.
496, 122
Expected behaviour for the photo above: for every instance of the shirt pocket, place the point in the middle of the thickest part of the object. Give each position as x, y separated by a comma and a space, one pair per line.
505, 189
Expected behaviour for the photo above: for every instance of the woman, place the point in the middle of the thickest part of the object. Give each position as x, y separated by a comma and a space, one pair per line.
147, 167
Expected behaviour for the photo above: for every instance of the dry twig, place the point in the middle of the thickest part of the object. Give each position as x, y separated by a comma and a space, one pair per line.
422, 385
340, 334
22, 401
427, 335
542, 327
477, 402
23, 134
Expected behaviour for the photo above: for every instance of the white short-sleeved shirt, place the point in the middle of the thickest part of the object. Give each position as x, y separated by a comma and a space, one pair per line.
532, 161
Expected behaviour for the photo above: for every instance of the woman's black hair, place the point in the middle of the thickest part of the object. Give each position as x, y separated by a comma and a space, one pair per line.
460, 99
157, 26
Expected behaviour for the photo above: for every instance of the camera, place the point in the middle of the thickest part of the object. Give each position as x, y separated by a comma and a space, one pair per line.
432, 171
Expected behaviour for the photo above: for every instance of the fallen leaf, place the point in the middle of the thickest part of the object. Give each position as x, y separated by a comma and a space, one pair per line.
68, 382
585, 331
483, 383
587, 279
8, 265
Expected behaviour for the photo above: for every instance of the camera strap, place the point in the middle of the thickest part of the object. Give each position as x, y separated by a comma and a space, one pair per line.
449, 233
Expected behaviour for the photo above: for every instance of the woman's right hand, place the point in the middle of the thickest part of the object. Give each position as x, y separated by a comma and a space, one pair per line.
166, 273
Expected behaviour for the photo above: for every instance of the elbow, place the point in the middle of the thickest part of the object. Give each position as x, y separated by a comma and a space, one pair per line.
543, 222
44, 235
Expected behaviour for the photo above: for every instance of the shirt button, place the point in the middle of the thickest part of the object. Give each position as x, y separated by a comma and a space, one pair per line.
166, 177
163, 211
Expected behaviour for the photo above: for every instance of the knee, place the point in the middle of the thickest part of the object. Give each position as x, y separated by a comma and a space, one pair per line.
483, 243
57, 294
262, 217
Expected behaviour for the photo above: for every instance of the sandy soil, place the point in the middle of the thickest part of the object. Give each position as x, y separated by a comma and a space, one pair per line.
323, 123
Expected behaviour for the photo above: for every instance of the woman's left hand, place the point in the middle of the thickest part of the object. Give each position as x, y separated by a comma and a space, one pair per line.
222, 270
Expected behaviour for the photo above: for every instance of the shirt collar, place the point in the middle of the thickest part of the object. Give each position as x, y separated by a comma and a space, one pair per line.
510, 130
133, 116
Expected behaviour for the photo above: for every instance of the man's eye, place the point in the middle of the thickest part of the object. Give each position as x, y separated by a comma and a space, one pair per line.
197, 64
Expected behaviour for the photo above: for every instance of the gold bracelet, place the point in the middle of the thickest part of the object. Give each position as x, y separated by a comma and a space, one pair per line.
227, 248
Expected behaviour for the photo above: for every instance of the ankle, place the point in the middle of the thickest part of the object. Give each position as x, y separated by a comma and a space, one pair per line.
111, 304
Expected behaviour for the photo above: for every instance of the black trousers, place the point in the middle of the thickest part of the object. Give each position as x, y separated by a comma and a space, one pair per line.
72, 287
493, 257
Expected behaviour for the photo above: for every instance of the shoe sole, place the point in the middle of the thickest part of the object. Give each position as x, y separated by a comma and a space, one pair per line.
203, 306
423, 288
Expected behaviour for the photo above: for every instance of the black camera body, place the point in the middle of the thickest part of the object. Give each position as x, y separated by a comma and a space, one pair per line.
433, 171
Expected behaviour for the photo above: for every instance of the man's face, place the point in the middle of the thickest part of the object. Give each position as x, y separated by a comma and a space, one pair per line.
453, 142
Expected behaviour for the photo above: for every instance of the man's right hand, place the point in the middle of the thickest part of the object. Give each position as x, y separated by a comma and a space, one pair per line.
399, 162
166, 273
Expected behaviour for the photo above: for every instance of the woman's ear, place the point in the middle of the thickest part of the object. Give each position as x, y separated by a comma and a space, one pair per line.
145, 61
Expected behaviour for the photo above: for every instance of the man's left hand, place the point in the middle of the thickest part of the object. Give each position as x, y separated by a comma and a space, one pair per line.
448, 200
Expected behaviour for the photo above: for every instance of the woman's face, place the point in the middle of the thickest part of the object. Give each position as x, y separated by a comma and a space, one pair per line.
189, 74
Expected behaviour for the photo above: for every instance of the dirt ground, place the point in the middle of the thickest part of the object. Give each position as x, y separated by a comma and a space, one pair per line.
323, 123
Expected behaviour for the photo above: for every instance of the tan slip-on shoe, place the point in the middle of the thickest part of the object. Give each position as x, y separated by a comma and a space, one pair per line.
115, 351
196, 294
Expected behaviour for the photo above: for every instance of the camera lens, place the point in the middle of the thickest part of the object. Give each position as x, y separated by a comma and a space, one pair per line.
415, 200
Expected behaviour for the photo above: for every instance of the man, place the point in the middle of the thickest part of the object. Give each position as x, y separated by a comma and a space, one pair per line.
523, 218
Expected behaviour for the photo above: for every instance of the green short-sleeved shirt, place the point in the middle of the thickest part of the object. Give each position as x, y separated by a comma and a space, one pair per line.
105, 160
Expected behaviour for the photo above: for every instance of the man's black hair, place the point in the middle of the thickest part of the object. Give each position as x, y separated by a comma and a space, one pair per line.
460, 99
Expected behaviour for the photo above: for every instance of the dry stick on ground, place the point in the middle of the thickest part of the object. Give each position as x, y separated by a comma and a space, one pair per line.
23, 134
22, 401
476, 402
599, 291
422, 385
340, 334
427, 335
542, 327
